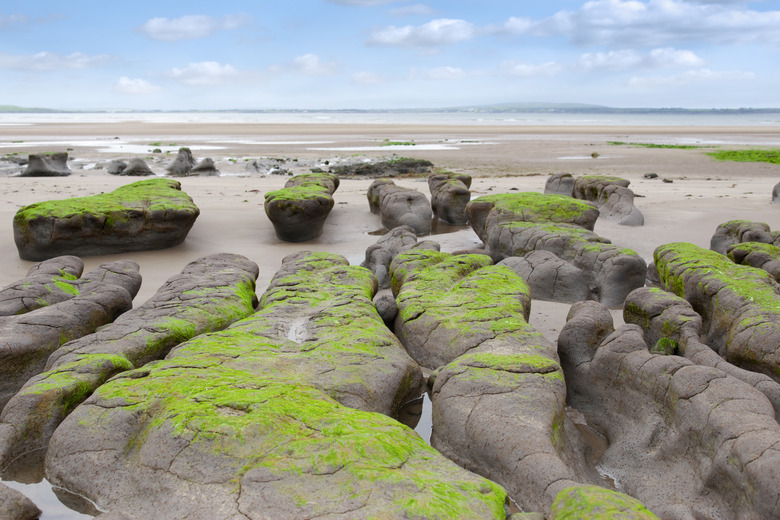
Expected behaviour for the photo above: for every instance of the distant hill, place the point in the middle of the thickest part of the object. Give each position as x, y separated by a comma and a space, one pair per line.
17, 109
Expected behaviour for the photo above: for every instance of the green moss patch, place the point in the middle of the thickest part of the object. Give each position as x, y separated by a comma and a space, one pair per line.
770, 155
597, 502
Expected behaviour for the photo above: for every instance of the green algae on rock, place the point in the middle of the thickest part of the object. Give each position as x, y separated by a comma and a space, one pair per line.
209, 294
579, 502
145, 215
252, 420
739, 305
298, 211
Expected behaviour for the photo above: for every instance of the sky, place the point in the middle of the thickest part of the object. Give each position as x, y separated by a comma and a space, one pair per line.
385, 54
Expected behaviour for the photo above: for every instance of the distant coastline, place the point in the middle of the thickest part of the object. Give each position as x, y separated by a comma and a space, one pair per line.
507, 108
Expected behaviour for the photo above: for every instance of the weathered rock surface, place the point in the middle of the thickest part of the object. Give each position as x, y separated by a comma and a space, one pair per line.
613, 197
145, 215
689, 441
550, 278
756, 254
739, 305
27, 340
46, 283
737, 231
399, 206
209, 294
183, 164
116, 167
594, 502
776, 193
560, 184
298, 211
254, 421
136, 167
47, 165
466, 318
394, 168
15, 506
206, 168
516, 224
449, 195
671, 326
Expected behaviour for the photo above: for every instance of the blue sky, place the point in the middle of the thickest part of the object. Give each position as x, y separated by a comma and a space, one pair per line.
388, 53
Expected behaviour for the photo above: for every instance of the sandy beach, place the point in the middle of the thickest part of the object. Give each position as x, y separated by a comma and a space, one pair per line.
691, 196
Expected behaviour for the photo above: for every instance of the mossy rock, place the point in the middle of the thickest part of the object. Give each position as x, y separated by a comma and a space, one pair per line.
529, 207
298, 211
145, 215
598, 502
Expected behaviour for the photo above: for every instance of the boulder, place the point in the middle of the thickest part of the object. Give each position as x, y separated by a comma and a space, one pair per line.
298, 211
380, 254
47, 165
399, 206
670, 321
689, 441
145, 215
116, 167
756, 254
560, 184
589, 187
46, 283
597, 502
550, 278
776, 193
206, 168
281, 414
209, 294
449, 196
467, 319
15, 506
739, 305
738, 231
27, 340
183, 164
615, 201
136, 167
393, 168
514, 225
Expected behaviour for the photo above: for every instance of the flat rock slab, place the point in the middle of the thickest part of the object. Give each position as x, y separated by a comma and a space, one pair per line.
257, 421
142, 216
399, 206
209, 294
298, 211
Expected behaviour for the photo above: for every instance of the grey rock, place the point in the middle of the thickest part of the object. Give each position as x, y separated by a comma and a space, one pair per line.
616, 204
183, 164
137, 167
399, 206
299, 210
756, 254
47, 165
394, 168
206, 168
776, 193
449, 196
380, 254
15, 506
560, 184
46, 283
116, 167
551, 278
738, 231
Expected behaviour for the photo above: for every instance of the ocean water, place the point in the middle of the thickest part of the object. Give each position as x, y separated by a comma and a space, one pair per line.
419, 118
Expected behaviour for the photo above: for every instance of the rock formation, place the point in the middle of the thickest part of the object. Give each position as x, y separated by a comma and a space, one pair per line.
560, 184
776, 193
738, 231
449, 196
466, 318
689, 441
137, 167
739, 305
276, 415
183, 164
615, 201
78, 307
551, 278
298, 211
47, 165
399, 206
206, 168
15, 506
756, 254
516, 224
145, 215
392, 168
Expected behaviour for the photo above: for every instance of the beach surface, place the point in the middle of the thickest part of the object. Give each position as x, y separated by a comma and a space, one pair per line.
692, 194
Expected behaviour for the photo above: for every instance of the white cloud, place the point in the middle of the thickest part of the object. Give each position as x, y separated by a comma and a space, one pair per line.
442, 31
631, 59
530, 70
691, 76
53, 61
446, 73
368, 78
516, 25
412, 10
204, 73
306, 64
634, 23
134, 86
190, 27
